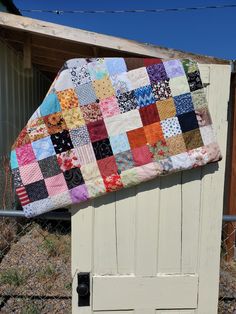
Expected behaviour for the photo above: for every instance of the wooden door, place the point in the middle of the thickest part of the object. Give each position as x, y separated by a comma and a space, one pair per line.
155, 248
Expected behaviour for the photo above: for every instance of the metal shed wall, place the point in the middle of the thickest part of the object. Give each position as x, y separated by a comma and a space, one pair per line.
21, 92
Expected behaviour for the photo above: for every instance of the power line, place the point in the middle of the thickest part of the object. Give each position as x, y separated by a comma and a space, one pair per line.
223, 6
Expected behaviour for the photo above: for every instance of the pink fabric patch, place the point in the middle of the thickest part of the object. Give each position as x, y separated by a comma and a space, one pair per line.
25, 154
149, 171
68, 160
30, 173
56, 184
109, 107
141, 155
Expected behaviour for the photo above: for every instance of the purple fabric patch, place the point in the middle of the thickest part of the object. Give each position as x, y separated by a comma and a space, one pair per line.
174, 68
79, 194
157, 72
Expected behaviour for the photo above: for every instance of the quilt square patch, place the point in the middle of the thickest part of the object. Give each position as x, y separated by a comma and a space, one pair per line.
102, 149
161, 90
86, 94
90, 171
107, 166
138, 77
61, 141
36, 129
183, 103
50, 105
130, 177
141, 155
73, 118
121, 83
97, 69
188, 121
176, 145
119, 143
68, 160
194, 81
103, 88
149, 114
166, 108
127, 101
36, 191
113, 183
179, 85
124, 161
17, 178
144, 96
109, 107
49, 167
134, 63
199, 99
171, 127
193, 139
56, 185
43, 148
80, 75
97, 130
25, 154
181, 161
174, 68
115, 65
203, 117
91, 112
159, 150
96, 187
73, 177
136, 138
55, 123
157, 72
79, 194
79, 136
68, 99
30, 173
85, 154
153, 133
189, 65
207, 135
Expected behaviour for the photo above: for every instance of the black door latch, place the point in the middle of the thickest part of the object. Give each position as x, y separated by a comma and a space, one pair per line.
83, 289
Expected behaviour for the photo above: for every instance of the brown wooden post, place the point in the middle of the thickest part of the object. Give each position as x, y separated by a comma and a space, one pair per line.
231, 208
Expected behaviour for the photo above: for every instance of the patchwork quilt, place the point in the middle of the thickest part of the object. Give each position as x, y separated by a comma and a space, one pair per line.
108, 124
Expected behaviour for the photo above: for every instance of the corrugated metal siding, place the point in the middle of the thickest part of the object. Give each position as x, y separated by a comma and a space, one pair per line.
21, 92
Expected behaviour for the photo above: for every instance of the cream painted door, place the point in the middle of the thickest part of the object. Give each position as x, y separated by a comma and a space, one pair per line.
155, 248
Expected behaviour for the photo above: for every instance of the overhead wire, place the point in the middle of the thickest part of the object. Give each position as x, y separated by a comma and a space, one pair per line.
160, 10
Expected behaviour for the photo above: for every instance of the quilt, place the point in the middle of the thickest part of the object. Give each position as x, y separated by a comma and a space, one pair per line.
108, 124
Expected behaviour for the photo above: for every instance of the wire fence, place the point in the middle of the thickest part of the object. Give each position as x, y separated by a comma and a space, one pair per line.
35, 261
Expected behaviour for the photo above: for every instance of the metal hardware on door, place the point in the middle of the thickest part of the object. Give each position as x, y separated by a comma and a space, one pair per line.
83, 289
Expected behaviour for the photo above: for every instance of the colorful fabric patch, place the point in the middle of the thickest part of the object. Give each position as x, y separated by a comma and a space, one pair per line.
166, 108
109, 107
170, 127
79, 136
149, 114
61, 141
68, 160
109, 123
86, 94
119, 143
141, 155
50, 105
91, 112
161, 90
183, 103
127, 101
68, 99
144, 96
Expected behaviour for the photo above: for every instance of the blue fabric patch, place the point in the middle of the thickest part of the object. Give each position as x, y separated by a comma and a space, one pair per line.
119, 143
13, 160
43, 148
183, 103
115, 65
50, 105
144, 96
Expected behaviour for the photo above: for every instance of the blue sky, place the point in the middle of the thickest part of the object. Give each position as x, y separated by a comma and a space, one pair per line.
209, 32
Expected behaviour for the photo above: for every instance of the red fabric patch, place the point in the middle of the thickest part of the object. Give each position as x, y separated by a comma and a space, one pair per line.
107, 166
149, 114
97, 130
150, 61
136, 138
23, 196
113, 183
141, 155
